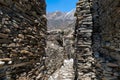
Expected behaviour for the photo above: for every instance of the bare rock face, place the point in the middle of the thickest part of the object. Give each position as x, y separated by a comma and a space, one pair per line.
22, 37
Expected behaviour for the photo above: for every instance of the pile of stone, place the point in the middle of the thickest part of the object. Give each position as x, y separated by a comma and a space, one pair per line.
84, 60
22, 37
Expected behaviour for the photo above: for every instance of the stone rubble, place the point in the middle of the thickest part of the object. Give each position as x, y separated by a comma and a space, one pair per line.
66, 72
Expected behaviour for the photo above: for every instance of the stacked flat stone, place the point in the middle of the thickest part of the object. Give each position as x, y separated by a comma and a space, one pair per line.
106, 43
83, 50
83, 26
22, 36
109, 27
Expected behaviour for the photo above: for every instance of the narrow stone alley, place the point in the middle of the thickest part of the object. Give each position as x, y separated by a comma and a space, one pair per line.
87, 47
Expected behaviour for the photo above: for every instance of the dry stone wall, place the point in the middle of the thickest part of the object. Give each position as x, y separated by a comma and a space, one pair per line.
23, 41
108, 14
84, 60
22, 38
97, 32
106, 45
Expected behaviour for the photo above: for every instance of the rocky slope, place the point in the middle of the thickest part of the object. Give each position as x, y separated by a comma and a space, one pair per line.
60, 20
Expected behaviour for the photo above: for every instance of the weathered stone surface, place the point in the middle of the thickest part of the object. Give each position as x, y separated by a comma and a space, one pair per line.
23, 41
3, 35
106, 16
22, 37
83, 32
98, 19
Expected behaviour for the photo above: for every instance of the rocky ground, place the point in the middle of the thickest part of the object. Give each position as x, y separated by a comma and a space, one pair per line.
66, 72
59, 51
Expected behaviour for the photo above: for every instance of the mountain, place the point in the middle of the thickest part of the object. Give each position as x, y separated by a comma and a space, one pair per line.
61, 20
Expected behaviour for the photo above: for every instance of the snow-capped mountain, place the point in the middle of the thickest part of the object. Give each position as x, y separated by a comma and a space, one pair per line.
55, 15
70, 15
60, 20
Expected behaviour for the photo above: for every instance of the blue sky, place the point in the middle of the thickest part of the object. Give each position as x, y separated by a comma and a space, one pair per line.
60, 5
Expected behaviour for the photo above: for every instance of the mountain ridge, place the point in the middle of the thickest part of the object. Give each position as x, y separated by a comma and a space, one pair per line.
60, 20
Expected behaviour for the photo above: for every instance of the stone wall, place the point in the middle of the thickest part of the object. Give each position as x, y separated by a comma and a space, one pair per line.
22, 38
107, 14
106, 43
84, 60
97, 31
